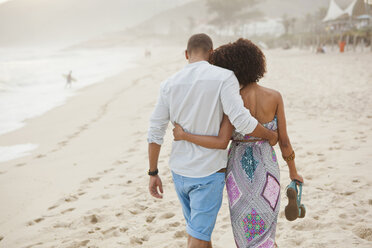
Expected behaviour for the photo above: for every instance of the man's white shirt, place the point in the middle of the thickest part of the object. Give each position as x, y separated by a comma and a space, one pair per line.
196, 98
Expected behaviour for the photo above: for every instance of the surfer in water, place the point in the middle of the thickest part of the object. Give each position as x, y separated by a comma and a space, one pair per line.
69, 79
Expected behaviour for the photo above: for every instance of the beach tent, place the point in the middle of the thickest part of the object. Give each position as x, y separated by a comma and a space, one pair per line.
356, 8
334, 12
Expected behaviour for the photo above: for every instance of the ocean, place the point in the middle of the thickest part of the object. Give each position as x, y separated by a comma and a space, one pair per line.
32, 81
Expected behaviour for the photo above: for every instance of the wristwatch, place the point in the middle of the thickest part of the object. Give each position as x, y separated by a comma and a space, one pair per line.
153, 173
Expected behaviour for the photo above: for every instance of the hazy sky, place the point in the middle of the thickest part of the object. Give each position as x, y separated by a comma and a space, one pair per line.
44, 21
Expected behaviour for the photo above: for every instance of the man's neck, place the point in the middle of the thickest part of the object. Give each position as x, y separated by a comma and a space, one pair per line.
197, 59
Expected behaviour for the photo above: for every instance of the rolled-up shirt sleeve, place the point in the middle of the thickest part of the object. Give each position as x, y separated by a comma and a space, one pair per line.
160, 117
233, 107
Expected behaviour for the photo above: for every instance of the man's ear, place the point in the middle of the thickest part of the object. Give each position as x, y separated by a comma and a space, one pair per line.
210, 53
186, 54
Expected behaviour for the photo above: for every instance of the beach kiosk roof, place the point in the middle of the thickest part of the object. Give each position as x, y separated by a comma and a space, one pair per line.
356, 8
334, 12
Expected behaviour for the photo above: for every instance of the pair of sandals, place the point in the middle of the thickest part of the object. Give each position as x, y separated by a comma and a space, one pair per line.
294, 209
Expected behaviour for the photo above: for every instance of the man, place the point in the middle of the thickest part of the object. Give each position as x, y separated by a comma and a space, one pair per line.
197, 97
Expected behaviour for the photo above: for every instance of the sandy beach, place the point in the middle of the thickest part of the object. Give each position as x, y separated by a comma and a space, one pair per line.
86, 183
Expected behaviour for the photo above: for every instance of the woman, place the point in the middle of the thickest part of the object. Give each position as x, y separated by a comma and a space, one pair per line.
252, 178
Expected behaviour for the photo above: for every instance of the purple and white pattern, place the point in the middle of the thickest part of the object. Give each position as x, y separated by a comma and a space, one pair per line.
271, 190
233, 191
253, 190
268, 243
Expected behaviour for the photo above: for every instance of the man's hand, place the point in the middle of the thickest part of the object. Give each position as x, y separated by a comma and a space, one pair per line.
154, 183
274, 140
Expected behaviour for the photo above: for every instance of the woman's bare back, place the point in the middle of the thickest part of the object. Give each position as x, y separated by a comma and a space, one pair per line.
262, 102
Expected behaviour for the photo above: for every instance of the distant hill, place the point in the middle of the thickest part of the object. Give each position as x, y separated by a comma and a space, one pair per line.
295, 8
181, 18
32, 22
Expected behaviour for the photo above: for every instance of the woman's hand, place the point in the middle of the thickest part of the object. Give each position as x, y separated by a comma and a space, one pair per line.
178, 132
295, 176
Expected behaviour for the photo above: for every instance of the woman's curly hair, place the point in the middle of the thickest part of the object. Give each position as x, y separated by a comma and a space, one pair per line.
242, 57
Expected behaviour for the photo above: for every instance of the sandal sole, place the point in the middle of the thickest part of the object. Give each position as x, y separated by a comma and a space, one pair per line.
291, 210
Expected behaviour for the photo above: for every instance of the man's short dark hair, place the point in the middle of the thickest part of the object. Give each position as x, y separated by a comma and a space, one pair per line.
199, 42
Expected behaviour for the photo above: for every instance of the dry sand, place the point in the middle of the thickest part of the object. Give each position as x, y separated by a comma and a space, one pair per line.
86, 184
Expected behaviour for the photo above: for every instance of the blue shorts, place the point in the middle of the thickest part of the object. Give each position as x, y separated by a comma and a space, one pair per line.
201, 199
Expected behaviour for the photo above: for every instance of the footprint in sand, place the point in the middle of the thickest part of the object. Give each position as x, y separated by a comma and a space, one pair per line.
342, 216
1, 237
134, 211
93, 219
119, 162
150, 218
91, 180
53, 207
35, 244
309, 177
20, 164
84, 243
106, 196
67, 210
226, 218
180, 234
35, 221
141, 207
347, 193
40, 156
131, 150
225, 226
363, 232
175, 224
167, 216
105, 171
81, 193
107, 231
63, 143
71, 198
2, 172
77, 243
139, 241
62, 225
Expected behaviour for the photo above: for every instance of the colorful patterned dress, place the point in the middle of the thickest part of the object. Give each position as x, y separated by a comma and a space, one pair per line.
253, 188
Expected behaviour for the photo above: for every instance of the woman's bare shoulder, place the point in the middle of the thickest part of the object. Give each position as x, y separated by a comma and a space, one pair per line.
274, 94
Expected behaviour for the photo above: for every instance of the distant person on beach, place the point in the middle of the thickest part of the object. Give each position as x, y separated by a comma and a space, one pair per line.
69, 79
197, 97
321, 49
253, 177
147, 53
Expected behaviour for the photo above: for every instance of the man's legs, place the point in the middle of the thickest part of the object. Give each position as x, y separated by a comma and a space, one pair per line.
201, 199
197, 243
